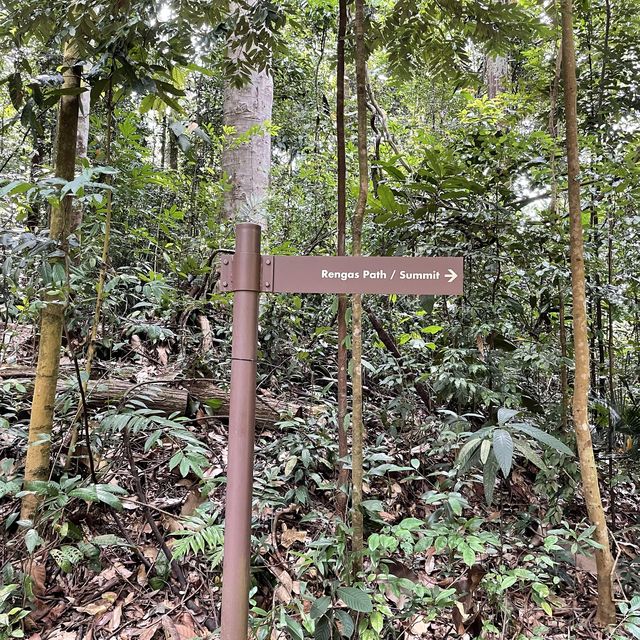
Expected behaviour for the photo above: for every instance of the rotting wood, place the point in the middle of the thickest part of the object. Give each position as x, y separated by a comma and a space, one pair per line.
168, 396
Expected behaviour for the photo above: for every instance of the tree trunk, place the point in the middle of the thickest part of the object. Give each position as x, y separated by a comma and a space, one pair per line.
82, 147
169, 396
343, 402
173, 150
55, 299
496, 72
247, 165
356, 306
606, 612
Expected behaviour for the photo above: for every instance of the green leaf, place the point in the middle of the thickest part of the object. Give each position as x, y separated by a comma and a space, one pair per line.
485, 450
323, 629
529, 453
386, 197
32, 540
294, 627
347, 626
320, 607
468, 555
503, 450
355, 599
376, 620
504, 415
467, 451
633, 629
489, 476
15, 187
542, 436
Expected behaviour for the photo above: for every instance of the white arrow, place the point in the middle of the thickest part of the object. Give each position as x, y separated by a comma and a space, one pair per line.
451, 276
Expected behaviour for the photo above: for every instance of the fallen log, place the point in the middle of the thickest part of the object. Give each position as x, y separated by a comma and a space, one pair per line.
168, 396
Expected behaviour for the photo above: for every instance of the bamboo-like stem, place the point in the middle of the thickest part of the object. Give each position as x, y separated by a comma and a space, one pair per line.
37, 460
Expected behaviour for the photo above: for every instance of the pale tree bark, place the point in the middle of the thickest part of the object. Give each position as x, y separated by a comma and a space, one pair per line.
343, 472
496, 72
55, 300
606, 612
247, 164
357, 429
82, 148
102, 277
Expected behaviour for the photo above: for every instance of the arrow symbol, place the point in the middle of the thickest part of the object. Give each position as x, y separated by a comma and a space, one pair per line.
451, 276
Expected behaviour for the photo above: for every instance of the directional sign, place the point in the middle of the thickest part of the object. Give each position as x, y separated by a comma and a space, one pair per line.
350, 274
248, 273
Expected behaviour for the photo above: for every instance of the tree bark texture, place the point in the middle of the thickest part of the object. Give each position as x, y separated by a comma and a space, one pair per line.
52, 317
82, 148
606, 612
246, 162
343, 402
169, 396
356, 306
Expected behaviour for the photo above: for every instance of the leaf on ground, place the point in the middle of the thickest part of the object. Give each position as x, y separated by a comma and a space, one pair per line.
290, 536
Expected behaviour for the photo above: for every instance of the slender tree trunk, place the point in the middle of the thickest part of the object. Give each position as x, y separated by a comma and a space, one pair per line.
606, 612
102, 276
356, 306
55, 299
82, 147
343, 473
247, 165
564, 377
173, 151
163, 142
611, 373
553, 210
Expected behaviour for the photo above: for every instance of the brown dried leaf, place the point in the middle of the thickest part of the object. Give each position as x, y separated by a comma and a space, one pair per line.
38, 573
420, 626
149, 632
141, 576
290, 536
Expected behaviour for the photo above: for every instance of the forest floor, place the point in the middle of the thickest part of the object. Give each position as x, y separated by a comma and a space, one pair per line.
127, 590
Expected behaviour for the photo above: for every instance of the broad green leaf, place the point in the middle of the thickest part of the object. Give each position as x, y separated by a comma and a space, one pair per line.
464, 455
32, 540
376, 620
320, 607
295, 627
355, 599
503, 450
485, 450
346, 624
489, 476
504, 415
468, 555
524, 448
386, 197
542, 436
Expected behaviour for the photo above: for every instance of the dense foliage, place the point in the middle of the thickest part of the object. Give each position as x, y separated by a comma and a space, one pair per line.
475, 521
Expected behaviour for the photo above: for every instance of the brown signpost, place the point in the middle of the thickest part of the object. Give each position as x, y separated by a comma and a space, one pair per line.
247, 274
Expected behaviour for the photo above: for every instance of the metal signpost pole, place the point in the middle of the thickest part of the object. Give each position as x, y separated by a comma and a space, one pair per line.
244, 273
237, 534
